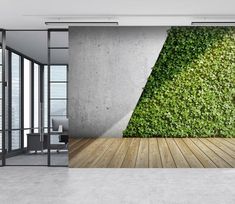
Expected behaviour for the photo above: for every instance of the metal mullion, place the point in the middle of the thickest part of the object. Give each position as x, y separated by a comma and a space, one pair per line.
48, 100
58, 30
41, 101
26, 30
22, 102
67, 108
57, 115
32, 96
9, 101
58, 99
58, 48
3, 97
58, 82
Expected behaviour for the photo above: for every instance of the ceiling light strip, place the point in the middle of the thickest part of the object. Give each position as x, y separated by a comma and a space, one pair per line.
214, 23
81, 23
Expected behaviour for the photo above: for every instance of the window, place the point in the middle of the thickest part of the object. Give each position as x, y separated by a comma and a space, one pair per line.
45, 85
58, 91
58, 87
27, 97
36, 97
15, 91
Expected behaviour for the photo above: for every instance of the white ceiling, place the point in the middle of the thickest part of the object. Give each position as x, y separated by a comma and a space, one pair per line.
32, 14
34, 45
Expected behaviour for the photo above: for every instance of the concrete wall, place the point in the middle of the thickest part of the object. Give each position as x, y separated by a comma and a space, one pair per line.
108, 68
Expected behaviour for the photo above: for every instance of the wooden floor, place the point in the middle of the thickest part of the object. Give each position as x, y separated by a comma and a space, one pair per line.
152, 153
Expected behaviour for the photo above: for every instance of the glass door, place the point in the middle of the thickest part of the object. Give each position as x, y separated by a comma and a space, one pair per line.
27, 145
34, 123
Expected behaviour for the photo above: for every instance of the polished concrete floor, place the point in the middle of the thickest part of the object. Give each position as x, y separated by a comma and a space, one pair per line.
31, 185
60, 159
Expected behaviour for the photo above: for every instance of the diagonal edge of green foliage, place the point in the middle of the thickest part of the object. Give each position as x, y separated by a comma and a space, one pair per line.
191, 90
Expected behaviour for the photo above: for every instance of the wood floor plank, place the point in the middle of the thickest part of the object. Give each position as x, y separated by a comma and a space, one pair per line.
166, 157
73, 141
178, 157
119, 156
230, 140
201, 156
188, 154
80, 145
226, 143
86, 152
154, 154
142, 160
108, 155
131, 155
222, 147
90, 162
226, 157
219, 162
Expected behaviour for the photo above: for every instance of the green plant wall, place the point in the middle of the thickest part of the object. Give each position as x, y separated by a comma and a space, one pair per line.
191, 90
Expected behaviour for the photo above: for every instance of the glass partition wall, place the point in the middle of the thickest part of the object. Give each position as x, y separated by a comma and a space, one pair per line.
34, 95
25, 145
57, 99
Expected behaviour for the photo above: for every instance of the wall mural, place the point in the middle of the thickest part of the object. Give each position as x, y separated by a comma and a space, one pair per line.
191, 90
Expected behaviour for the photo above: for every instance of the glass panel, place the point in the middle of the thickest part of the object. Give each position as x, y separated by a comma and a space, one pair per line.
58, 73
1, 58
1, 88
36, 96
58, 95
27, 95
1, 110
36, 152
26, 132
0, 145
45, 98
58, 107
59, 56
58, 90
15, 75
1, 70
1, 113
59, 39
15, 139
59, 150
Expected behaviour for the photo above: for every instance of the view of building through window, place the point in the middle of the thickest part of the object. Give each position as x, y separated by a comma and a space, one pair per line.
15, 101
23, 92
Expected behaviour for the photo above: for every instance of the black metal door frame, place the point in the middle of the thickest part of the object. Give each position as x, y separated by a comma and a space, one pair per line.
41, 92
3, 156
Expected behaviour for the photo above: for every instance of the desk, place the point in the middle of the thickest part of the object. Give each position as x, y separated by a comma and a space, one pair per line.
34, 143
